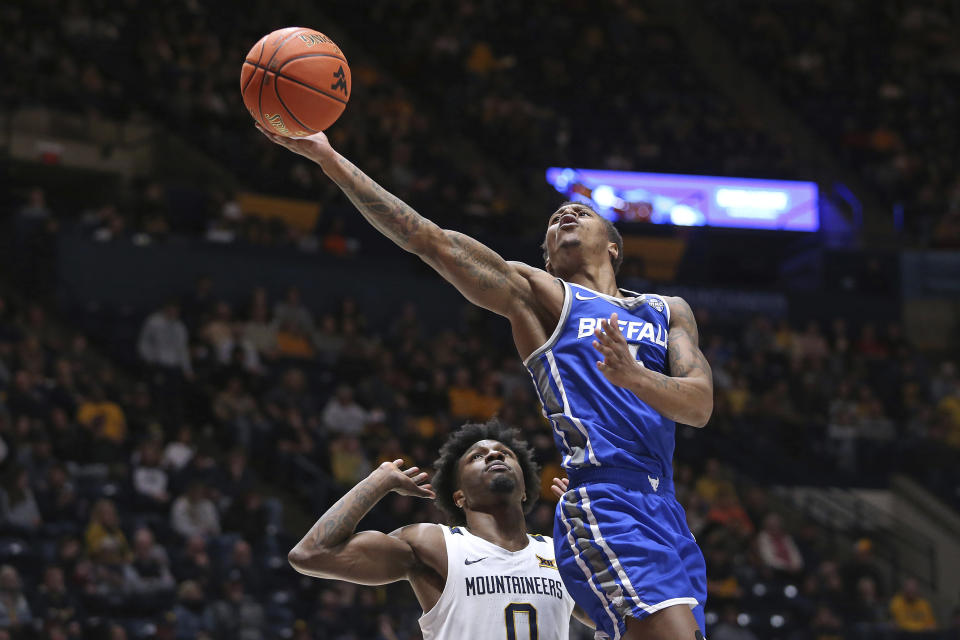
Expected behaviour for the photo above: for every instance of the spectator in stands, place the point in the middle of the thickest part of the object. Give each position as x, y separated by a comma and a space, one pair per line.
180, 450
54, 602
237, 409
15, 614
861, 565
148, 575
248, 516
729, 629
712, 481
348, 462
108, 584
217, 332
777, 548
192, 619
911, 611
193, 563
291, 312
18, 506
242, 561
194, 514
150, 481
58, 501
237, 615
259, 330
867, 611
343, 415
105, 422
199, 303
292, 392
105, 525
163, 342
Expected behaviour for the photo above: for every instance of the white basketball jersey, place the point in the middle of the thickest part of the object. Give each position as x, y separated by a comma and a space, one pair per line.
495, 594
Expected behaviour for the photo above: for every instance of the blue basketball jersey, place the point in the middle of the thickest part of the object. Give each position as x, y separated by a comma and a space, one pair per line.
597, 424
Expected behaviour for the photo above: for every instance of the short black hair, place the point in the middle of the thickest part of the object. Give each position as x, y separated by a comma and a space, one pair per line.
613, 235
445, 478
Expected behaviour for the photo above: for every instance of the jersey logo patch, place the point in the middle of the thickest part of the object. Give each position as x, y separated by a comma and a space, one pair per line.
656, 303
582, 297
548, 563
654, 482
469, 562
456, 530
537, 537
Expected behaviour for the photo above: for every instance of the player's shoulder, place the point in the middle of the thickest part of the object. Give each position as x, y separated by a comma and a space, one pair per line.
530, 272
679, 309
421, 534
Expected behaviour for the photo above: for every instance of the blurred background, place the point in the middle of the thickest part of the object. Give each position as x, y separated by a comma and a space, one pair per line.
202, 344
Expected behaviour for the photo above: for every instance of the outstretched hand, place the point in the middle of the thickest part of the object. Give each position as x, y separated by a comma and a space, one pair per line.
409, 482
312, 147
619, 366
559, 487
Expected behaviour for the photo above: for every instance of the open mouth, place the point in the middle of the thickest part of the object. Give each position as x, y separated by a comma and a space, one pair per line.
568, 221
498, 466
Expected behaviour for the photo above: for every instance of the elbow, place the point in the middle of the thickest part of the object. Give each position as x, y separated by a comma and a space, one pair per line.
702, 416
300, 560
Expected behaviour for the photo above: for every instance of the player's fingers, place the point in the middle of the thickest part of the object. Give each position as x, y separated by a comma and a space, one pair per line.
398, 462
603, 337
603, 348
614, 328
421, 477
557, 492
412, 471
426, 491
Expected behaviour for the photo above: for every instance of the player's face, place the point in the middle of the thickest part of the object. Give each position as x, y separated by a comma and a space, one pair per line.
574, 226
490, 469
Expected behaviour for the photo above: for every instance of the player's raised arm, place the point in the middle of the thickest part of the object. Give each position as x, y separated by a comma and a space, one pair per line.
331, 549
478, 272
686, 395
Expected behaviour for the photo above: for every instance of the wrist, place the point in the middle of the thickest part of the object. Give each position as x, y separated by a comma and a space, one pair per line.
382, 480
324, 156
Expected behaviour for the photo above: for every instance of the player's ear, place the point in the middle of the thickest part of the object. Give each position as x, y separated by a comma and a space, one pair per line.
548, 267
459, 499
613, 251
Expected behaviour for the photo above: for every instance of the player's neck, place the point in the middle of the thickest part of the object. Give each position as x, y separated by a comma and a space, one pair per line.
502, 526
600, 278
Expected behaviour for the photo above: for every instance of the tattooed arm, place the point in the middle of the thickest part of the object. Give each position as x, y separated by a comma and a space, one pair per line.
478, 272
684, 396
331, 549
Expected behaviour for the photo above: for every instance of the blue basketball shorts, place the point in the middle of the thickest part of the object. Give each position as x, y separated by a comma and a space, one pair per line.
627, 552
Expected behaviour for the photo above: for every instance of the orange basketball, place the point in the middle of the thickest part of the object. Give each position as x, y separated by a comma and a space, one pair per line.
295, 82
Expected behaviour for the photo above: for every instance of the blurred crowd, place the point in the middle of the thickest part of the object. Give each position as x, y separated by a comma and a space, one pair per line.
150, 503
879, 81
459, 110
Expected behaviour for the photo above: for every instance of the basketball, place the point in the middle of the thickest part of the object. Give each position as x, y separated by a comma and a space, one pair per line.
295, 82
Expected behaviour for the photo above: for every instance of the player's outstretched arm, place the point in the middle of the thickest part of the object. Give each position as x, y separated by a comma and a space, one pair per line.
331, 549
478, 272
684, 396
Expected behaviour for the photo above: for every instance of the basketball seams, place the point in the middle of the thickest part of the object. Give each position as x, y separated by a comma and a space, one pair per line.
263, 45
312, 55
301, 83
276, 90
265, 69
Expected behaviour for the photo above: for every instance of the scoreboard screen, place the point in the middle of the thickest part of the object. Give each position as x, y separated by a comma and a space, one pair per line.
692, 201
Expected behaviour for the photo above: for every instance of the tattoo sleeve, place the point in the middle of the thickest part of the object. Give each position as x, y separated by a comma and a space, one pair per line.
390, 215
686, 394
340, 520
478, 272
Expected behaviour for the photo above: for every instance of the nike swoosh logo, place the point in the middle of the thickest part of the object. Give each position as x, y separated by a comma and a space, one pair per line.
465, 561
580, 297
